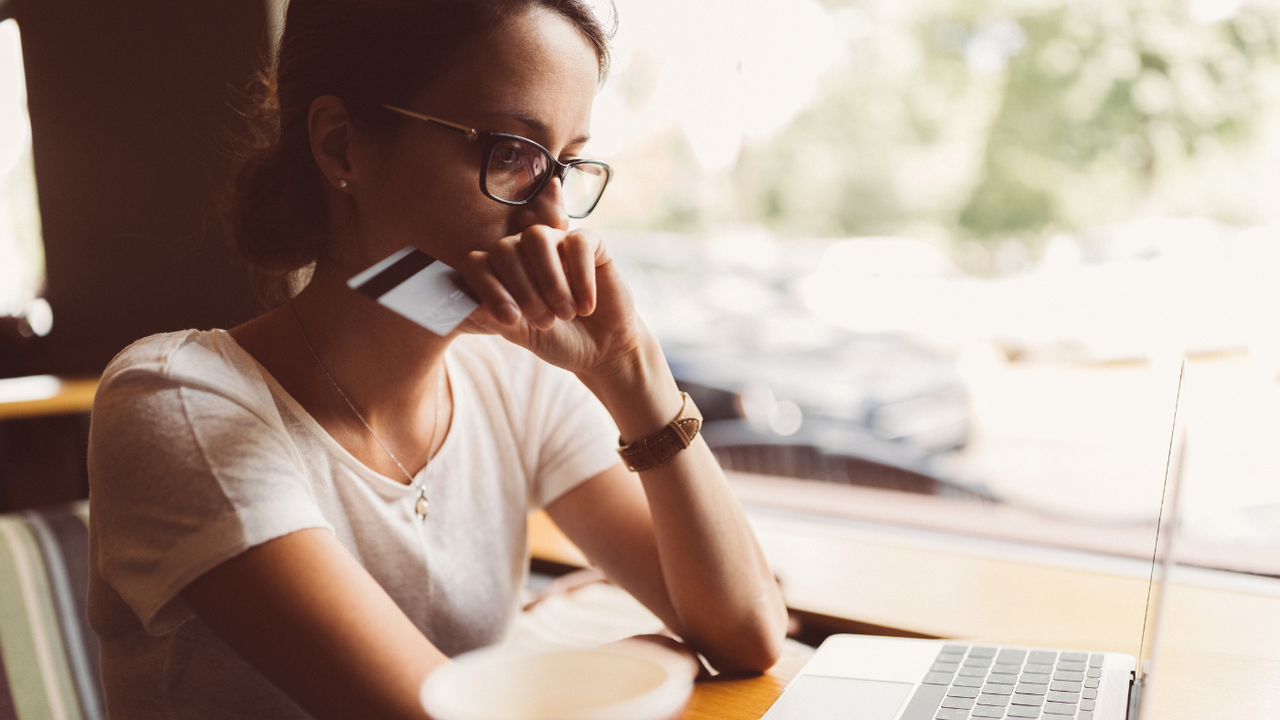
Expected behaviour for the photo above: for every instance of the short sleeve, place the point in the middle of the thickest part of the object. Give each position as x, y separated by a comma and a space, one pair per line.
578, 437
189, 465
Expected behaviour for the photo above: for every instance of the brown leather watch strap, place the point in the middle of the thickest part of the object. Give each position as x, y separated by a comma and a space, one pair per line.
659, 447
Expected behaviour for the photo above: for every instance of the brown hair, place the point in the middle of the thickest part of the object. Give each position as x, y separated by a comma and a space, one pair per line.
366, 52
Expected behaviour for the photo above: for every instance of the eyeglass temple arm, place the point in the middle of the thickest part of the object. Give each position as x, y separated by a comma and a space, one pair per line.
469, 132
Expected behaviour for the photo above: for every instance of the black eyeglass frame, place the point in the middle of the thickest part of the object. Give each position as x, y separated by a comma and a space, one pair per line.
488, 140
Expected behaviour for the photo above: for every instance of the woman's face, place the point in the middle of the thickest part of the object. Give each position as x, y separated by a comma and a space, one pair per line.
536, 77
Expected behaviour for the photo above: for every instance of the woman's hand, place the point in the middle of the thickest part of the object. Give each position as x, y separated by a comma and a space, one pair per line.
558, 294
674, 535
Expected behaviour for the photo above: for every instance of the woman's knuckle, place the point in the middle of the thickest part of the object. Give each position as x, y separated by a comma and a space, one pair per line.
542, 237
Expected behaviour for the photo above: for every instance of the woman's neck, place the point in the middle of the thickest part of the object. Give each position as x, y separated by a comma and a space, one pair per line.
386, 366
386, 356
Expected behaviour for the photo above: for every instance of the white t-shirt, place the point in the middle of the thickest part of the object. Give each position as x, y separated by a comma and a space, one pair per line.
197, 454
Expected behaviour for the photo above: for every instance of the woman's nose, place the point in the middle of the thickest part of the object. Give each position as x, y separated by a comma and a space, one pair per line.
546, 208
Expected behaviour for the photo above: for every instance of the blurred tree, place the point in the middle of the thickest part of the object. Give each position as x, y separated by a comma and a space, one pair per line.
991, 119
1109, 96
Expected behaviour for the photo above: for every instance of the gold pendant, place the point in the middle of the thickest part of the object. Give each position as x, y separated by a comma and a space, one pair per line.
421, 507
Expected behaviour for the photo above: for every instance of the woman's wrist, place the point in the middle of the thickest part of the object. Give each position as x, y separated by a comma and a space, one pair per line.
638, 390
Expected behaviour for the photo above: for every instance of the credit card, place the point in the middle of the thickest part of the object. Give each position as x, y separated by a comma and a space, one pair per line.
418, 287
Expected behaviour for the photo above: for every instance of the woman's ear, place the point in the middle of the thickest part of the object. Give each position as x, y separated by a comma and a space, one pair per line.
331, 134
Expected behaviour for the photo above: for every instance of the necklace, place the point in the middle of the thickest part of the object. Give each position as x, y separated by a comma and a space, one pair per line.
421, 506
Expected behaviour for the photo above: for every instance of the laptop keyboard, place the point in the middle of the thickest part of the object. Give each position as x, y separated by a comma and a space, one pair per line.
994, 682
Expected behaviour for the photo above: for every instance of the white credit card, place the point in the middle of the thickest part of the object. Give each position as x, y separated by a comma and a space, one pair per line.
418, 287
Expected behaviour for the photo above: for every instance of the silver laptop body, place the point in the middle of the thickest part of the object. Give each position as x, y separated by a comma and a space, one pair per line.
866, 677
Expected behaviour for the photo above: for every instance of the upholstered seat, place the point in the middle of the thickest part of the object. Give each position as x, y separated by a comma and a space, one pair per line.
48, 653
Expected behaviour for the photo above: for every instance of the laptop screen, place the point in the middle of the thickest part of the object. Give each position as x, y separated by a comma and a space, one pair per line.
1163, 557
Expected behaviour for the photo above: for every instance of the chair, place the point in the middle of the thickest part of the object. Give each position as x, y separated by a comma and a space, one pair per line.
48, 652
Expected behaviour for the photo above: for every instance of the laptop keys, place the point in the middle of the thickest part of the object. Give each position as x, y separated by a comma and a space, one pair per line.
964, 692
993, 682
1015, 657
925, 701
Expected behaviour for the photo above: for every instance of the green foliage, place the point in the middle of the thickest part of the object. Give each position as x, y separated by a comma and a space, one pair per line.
1066, 115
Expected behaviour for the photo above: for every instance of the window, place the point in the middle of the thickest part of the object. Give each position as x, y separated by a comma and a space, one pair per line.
958, 250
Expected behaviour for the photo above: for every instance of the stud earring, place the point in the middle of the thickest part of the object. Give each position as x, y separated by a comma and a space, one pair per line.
342, 184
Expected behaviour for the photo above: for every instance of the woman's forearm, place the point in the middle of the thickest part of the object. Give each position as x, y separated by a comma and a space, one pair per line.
719, 585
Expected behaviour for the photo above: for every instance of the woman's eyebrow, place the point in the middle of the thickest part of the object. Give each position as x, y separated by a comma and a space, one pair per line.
536, 125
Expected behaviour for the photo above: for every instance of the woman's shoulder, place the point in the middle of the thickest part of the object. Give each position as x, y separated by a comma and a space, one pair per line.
207, 359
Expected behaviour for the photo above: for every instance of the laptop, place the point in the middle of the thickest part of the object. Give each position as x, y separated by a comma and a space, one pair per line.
865, 677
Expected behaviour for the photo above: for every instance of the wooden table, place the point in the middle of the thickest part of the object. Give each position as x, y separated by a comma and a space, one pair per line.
1221, 640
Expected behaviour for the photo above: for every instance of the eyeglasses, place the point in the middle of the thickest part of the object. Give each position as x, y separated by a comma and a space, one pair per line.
513, 170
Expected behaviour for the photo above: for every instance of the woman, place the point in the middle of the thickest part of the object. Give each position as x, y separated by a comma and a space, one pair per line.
307, 514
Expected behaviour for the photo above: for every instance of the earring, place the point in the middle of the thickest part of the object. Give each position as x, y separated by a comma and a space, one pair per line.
342, 184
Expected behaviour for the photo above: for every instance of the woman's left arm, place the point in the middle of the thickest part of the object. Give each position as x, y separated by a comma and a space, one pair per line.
674, 535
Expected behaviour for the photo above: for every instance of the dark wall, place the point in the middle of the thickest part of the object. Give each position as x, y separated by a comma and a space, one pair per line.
129, 102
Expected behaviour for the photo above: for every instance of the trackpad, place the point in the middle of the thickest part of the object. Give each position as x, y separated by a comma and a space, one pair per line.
814, 697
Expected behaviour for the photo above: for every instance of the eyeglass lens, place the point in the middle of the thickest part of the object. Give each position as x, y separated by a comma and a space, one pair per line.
583, 185
516, 171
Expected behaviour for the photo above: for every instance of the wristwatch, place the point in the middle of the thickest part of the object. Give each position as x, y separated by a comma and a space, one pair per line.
656, 449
